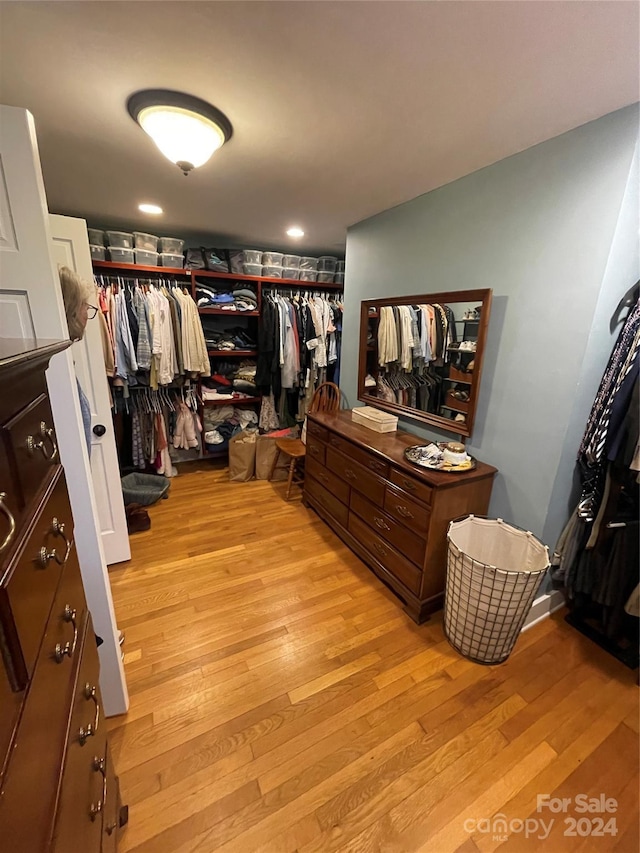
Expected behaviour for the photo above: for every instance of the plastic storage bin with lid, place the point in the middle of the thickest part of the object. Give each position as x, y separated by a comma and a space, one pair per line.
148, 242
97, 252
272, 259
308, 263
96, 236
325, 277
119, 255
171, 246
251, 269
291, 261
146, 258
252, 256
120, 240
291, 273
338, 278
169, 259
272, 271
308, 275
327, 264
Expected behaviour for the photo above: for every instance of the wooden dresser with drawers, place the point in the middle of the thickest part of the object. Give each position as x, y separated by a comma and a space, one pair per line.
58, 789
392, 514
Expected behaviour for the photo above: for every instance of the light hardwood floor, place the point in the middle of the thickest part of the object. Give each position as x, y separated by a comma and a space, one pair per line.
282, 701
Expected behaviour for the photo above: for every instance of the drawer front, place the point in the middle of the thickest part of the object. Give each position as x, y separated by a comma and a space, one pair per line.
33, 771
10, 703
33, 581
111, 820
359, 454
318, 431
316, 450
79, 819
393, 562
31, 440
10, 505
414, 488
334, 484
327, 501
390, 530
413, 515
356, 476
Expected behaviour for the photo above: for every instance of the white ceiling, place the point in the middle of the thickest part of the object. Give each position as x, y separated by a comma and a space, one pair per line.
340, 109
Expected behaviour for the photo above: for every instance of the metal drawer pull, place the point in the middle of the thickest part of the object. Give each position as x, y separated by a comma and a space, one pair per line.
334, 442
408, 485
68, 650
46, 433
314, 450
323, 477
57, 528
44, 556
96, 808
92, 728
377, 466
381, 523
12, 522
349, 474
404, 512
382, 551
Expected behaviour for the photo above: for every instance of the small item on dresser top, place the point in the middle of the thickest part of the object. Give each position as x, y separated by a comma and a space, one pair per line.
374, 419
436, 457
454, 453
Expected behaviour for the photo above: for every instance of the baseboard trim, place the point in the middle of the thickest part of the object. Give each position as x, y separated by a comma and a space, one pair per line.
543, 607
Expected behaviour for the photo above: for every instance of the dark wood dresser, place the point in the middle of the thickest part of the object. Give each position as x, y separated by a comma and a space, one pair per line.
391, 513
58, 789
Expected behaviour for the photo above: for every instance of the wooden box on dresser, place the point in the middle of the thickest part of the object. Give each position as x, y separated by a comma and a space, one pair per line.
391, 513
58, 790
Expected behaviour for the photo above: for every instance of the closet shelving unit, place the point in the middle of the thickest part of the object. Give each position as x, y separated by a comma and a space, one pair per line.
190, 278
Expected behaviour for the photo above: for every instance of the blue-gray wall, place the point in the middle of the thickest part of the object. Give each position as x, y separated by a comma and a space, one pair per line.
554, 232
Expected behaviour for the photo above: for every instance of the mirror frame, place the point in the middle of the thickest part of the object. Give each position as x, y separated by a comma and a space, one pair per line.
446, 424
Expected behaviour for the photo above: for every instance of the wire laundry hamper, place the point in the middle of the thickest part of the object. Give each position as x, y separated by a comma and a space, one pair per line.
494, 570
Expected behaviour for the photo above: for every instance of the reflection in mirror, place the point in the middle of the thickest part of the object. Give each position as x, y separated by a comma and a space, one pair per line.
421, 356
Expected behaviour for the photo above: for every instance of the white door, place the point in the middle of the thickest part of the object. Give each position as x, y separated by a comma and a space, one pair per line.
71, 248
31, 307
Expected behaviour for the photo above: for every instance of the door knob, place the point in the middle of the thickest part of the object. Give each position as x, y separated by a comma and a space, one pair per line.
99, 430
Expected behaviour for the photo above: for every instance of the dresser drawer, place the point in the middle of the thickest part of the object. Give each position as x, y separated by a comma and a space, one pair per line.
81, 805
359, 454
412, 487
10, 505
111, 820
396, 534
334, 484
327, 501
412, 514
318, 431
30, 439
393, 562
316, 450
10, 702
33, 771
32, 580
356, 476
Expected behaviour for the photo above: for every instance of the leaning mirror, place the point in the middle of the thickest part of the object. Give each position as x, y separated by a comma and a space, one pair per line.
421, 356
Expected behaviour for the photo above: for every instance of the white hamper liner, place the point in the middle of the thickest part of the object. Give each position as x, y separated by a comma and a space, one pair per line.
493, 573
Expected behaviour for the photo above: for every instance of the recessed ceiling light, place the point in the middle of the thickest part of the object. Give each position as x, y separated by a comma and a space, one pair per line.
295, 232
186, 129
150, 208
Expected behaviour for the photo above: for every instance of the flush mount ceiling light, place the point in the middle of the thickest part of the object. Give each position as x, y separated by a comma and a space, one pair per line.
295, 232
186, 129
150, 208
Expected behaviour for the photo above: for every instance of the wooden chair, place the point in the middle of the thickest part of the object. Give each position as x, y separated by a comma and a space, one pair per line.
325, 399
